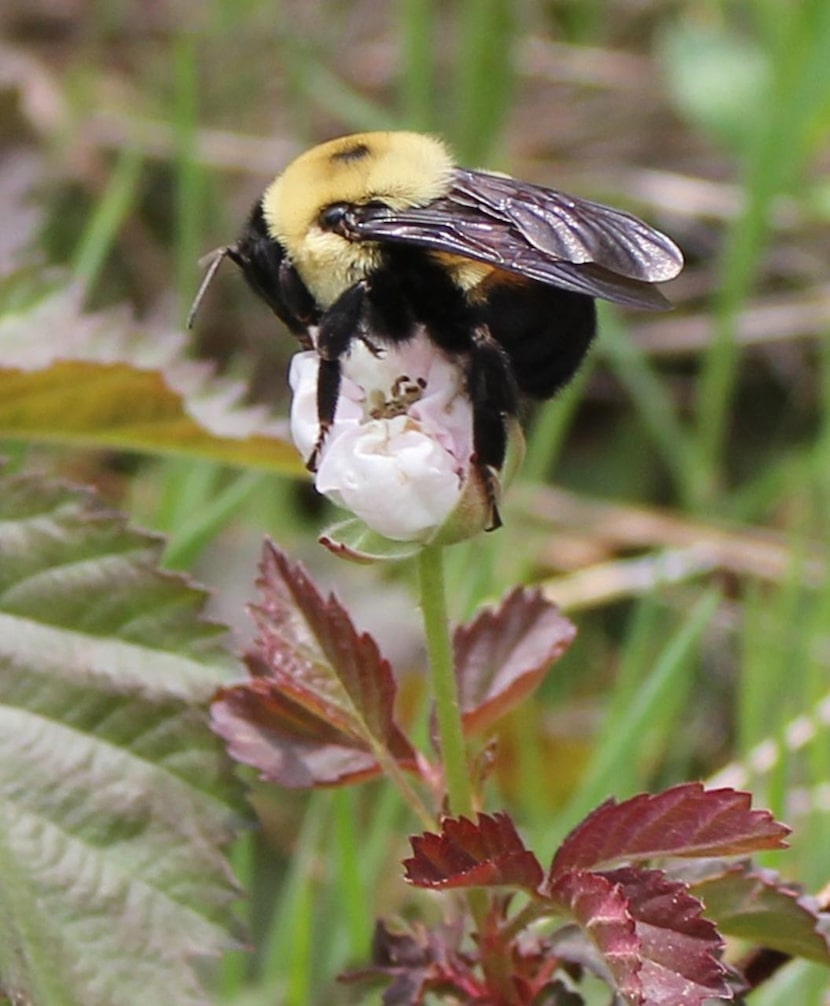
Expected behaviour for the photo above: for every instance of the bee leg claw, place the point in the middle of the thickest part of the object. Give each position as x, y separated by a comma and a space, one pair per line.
490, 482
495, 520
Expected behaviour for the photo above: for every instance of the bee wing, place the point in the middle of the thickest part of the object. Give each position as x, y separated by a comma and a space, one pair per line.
538, 233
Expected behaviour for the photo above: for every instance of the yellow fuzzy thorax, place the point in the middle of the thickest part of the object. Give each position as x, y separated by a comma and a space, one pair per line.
400, 169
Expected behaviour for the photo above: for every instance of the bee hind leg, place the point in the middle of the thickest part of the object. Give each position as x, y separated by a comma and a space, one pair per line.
494, 397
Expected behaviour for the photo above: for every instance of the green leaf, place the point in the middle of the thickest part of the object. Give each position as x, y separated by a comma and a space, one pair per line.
116, 801
103, 380
759, 907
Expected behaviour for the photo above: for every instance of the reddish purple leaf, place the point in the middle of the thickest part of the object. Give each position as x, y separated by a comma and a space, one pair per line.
466, 854
757, 906
599, 907
288, 744
321, 699
502, 655
678, 947
686, 820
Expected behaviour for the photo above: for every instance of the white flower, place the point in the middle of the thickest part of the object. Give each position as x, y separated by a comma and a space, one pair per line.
398, 454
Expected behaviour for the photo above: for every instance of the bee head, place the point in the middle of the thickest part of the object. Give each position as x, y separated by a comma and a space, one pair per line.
308, 208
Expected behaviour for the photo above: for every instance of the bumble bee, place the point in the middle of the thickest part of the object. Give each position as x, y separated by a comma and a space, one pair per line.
377, 236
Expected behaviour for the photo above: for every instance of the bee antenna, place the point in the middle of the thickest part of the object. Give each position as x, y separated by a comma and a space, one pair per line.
210, 263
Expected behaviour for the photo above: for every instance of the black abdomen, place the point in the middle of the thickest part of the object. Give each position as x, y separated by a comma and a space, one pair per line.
545, 331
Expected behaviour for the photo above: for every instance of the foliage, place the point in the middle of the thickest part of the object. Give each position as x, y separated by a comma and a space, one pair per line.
319, 710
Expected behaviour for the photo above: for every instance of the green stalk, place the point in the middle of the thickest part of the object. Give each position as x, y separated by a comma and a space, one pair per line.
190, 175
484, 75
417, 21
445, 688
783, 138
114, 206
496, 963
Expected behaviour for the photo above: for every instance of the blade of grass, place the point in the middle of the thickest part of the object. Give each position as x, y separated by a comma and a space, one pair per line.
533, 770
192, 536
351, 881
333, 94
416, 19
799, 982
471, 574
822, 444
782, 139
112, 209
770, 487
773, 645
186, 486
235, 965
620, 740
484, 77
190, 173
368, 859
551, 426
814, 835
653, 404
287, 947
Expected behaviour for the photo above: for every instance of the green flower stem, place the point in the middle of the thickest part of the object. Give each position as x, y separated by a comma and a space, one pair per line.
496, 962
445, 689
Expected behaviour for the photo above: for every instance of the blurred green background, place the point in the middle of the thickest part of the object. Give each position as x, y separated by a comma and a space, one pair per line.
676, 498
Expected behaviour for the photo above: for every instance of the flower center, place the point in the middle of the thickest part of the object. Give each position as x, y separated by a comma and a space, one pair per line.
403, 394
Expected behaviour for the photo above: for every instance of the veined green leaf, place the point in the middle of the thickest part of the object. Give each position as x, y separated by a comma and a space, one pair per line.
115, 800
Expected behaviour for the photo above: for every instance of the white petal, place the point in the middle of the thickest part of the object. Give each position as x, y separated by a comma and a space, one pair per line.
392, 475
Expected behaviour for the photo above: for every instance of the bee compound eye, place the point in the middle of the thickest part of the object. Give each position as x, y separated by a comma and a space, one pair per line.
332, 217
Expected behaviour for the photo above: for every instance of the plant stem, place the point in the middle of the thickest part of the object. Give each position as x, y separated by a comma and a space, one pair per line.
496, 959
445, 689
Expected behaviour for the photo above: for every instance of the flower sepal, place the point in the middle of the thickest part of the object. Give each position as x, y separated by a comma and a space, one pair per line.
354, 540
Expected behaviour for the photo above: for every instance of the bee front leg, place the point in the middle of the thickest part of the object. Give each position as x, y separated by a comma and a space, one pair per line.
340, 324
328, 393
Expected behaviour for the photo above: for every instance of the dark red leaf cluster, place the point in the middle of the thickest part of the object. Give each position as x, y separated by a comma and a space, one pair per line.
641, 928
319, 709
